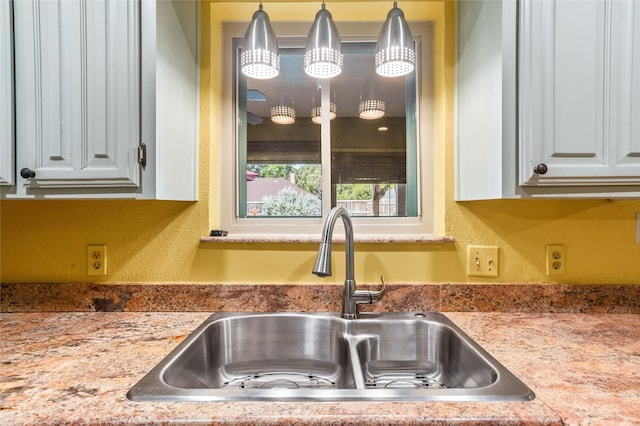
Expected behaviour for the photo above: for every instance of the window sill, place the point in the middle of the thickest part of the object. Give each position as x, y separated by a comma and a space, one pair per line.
315, 239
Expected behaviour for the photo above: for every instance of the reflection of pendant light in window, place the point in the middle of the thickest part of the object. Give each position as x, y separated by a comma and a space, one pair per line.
323, 55
316, 111
396, 55
283, 113
371, 109
371, 105
259, 58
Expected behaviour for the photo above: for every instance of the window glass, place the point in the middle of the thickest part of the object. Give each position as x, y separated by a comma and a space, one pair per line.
279, 145
372, 140
369, 141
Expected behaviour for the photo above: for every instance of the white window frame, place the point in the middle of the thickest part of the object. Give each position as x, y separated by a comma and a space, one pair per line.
423, 224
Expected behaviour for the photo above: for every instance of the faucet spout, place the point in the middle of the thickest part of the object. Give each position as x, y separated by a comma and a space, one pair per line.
351, 296
322, 267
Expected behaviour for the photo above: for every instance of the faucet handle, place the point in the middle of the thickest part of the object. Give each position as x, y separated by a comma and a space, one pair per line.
370, 296
375, 295
353, 297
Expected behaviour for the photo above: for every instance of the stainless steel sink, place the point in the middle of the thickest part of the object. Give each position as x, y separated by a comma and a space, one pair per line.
263, 352
322, 357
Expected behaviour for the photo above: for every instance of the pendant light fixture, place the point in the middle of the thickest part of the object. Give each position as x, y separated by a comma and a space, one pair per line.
323, 55
396, 55
259, 58
371, 106
316, 113
284, 112
371, 109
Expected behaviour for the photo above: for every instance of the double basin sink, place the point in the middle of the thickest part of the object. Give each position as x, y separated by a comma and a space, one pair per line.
322, 357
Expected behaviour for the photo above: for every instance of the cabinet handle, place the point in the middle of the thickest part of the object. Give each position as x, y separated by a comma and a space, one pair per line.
541, 169
27, 173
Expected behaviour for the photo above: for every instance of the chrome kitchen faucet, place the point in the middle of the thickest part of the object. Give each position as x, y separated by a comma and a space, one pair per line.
351, 296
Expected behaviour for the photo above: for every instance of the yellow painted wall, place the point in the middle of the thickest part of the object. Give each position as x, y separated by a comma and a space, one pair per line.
154, 241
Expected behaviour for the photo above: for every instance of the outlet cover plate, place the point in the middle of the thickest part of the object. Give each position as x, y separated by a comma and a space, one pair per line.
555, 259
482, 261
96, 259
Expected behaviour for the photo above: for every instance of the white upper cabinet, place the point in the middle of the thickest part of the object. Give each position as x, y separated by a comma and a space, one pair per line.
6, 95
579, 86
78, 94
170, 90
624, 89
562, 120
485, 108
91, 83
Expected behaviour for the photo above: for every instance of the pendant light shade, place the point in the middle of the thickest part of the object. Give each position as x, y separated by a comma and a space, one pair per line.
283, 114
316, 113
323, 56
396, 55
371, 106
259, 58
371, 109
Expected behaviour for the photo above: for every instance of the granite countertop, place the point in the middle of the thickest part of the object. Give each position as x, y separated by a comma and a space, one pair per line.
76, 368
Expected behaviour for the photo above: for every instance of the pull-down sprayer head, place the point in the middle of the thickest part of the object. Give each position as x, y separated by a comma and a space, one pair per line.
323, 261
322, 267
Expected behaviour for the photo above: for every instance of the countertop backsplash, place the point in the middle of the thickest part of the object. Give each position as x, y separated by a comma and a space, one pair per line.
215, 297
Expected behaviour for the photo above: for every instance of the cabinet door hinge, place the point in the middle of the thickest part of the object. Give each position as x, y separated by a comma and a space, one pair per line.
142, 154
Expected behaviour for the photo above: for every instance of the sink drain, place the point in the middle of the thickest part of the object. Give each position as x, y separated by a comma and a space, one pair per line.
403, 381
277, 380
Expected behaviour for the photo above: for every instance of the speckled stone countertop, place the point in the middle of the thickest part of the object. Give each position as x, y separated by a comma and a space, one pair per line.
315, 239
75, 368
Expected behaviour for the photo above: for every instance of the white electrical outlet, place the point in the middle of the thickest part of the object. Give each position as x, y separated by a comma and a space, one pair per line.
555, 259
97, 259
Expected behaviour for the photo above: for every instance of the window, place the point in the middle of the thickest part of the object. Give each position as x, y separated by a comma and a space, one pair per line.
370, 154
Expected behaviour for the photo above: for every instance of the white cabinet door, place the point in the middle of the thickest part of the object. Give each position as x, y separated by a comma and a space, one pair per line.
6, 95
170, 76
578, 86
77, 92
486, 136
624, 112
